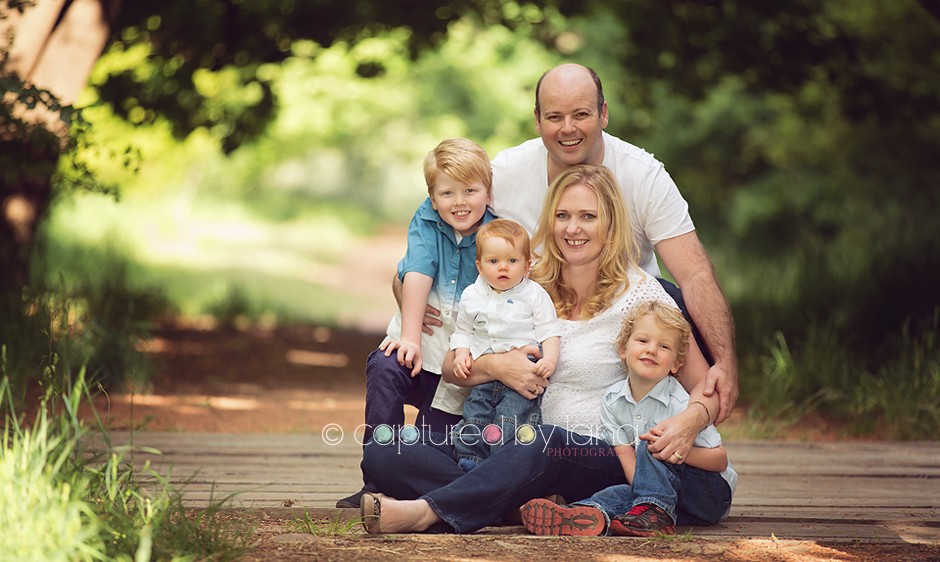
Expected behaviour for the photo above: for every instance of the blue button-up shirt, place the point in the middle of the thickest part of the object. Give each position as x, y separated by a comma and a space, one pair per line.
433, 250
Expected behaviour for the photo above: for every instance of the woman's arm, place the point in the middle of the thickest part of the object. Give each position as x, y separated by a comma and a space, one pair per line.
713, 459
513, 368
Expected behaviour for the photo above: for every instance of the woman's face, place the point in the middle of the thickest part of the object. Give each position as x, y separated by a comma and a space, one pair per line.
577, 226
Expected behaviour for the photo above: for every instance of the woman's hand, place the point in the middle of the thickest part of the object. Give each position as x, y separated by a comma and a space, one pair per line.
513, 368
674, 435
519, 373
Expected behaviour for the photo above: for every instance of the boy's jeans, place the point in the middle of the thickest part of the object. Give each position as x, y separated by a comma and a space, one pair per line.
389, 386
691, 496
492, 404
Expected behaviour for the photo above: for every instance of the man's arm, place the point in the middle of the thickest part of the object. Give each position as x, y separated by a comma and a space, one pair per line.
686, 259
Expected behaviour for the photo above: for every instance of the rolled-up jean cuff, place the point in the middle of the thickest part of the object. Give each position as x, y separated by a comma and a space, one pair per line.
671, 510
450, 521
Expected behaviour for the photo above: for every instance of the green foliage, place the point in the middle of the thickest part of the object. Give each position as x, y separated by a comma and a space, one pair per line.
232, 308
899, 396
44, 515
68, 494
801, 136
95, 321
186, 39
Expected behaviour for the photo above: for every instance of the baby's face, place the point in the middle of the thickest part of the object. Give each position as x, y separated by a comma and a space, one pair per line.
501, 264
652, 351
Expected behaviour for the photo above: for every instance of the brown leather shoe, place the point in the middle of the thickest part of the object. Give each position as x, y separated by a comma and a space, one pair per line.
370, 510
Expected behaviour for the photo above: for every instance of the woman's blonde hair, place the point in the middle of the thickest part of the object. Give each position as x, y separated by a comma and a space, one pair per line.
620, 249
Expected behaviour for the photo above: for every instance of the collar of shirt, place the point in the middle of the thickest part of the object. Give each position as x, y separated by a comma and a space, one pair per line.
426, 212
661, 392
486, 289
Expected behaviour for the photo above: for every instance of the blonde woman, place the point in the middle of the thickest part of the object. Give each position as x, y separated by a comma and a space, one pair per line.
588, 266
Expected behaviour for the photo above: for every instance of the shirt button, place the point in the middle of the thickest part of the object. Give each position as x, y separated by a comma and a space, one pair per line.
639, 417
453, 281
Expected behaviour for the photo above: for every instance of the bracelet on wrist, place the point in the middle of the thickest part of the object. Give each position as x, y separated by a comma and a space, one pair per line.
708, 414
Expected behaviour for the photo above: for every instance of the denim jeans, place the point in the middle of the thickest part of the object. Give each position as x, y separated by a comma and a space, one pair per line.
492, 403
389, 386
690, 495
555, 462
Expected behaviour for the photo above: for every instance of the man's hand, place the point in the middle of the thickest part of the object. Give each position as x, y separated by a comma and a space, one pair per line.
409, 354
519, 373
686, 259
673, 435
432, 319
725, 381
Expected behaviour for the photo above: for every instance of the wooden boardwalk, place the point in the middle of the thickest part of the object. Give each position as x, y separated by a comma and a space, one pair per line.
887, 492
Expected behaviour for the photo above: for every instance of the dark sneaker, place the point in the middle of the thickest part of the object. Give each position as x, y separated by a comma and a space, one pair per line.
545, 517
351, 502
644, 520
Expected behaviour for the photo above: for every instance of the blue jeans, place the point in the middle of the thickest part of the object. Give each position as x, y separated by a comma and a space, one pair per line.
555, 462
389, 386
492, 403
690, 495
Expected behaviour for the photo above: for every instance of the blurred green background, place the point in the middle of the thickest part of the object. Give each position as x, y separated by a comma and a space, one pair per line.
804, 136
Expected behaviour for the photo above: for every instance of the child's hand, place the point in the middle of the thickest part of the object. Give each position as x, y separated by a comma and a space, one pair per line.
462, 363
545, 367
409, 354
651, 436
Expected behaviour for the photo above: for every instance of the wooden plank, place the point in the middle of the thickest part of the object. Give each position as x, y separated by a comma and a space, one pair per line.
887, 492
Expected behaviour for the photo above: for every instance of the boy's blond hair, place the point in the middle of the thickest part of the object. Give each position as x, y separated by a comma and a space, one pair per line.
461, 159
667, 317
508, 230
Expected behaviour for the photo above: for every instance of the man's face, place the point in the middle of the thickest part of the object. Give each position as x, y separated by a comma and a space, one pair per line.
571, 123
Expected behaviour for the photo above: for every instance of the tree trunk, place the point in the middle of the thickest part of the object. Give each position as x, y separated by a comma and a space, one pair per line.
54, 46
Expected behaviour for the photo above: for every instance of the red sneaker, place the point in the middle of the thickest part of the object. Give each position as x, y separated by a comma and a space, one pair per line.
545, 517
644, 520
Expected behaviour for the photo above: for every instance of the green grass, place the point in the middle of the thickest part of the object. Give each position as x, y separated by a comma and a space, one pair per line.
329, 527
67, 494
